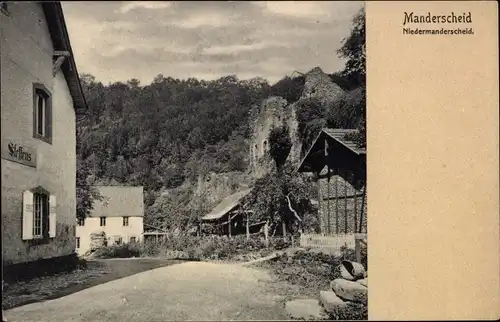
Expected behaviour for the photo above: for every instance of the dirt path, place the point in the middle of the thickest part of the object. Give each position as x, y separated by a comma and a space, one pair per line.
56, 286
187, 291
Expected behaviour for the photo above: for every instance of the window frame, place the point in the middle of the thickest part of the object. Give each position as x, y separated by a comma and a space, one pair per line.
132, 239
44, 237
125, 221
80, 222
41, 213
39, 90
101, 221
77, 242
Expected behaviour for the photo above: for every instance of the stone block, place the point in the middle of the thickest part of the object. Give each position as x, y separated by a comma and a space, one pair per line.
331, 302
352, 271
349, 290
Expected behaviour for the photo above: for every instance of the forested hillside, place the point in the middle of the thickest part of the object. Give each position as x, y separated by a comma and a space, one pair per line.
166, 133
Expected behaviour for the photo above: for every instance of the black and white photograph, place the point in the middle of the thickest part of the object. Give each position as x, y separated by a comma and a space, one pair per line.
183, 160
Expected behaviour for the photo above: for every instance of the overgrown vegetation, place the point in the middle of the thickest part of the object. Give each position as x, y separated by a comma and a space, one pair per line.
313, 271
212, 247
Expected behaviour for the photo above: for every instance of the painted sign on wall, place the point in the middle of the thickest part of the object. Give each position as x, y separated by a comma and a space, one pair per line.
15, 152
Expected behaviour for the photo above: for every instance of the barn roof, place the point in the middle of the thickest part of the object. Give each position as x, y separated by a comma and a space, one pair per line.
315, 159
226, 205
60, 40
119, 201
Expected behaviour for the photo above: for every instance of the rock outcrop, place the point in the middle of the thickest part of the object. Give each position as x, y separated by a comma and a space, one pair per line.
318, 85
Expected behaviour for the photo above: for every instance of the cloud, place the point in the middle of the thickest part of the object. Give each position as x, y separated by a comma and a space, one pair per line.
237, 48
199, 20
297, 8
208, 39
132, 5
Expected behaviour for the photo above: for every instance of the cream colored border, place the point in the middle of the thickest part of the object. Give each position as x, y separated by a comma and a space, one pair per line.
433, 169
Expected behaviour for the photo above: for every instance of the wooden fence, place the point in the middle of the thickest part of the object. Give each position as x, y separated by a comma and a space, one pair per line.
334, 243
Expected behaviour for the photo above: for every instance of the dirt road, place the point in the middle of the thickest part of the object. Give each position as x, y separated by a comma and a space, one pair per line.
187, 291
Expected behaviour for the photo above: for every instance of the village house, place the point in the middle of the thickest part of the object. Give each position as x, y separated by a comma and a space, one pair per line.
41, 99
118, 217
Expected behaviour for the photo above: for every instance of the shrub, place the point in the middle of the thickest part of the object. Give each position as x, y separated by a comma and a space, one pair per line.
118, 251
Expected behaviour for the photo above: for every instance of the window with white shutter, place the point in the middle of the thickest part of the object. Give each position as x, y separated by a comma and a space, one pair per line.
39, 215
52, 216
27, 215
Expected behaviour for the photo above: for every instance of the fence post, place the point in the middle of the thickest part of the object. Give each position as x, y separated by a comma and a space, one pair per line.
357, 246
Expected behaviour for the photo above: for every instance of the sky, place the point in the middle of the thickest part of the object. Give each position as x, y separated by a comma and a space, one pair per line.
118, 41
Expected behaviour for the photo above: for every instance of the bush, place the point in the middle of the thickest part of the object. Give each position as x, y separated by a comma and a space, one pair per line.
118, 251
353, 311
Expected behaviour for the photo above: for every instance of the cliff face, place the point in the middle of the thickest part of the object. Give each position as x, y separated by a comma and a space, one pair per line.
319, 85
217, 186
273, 111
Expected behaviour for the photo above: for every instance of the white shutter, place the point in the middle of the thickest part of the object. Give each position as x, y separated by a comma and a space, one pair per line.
27, 215
52, 216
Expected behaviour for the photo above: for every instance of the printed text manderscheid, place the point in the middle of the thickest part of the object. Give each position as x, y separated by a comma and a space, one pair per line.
450, 18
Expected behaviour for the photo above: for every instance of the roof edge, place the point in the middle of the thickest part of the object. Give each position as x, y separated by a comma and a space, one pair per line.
53, 11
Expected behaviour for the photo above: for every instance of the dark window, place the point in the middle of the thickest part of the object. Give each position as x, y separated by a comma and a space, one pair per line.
125, 221
103, 221
4, 8
42, 113
40, 215
132, 239
81, 221
77, 242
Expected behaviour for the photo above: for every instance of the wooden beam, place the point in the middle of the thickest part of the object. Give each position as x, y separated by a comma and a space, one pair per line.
64, 53
345, 207
362, 209
57, 64
266, 233
321, 215
248, 228
337, 202
355, 209
328, 201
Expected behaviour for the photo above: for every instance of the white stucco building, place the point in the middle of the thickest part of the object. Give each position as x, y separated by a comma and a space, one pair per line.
119, 215
41, 98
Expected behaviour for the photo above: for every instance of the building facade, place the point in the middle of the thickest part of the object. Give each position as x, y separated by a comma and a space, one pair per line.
118, 218
41, 98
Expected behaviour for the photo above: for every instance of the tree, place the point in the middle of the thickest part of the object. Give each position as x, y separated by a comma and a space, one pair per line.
270, 203
354, 49
86, 194
280, 145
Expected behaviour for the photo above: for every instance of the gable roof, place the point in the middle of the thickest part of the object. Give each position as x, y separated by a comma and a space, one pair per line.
119, 201
315, 160
60, 40
226, 205
339, 135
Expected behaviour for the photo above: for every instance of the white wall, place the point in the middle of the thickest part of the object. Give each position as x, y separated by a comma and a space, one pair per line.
114, 227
